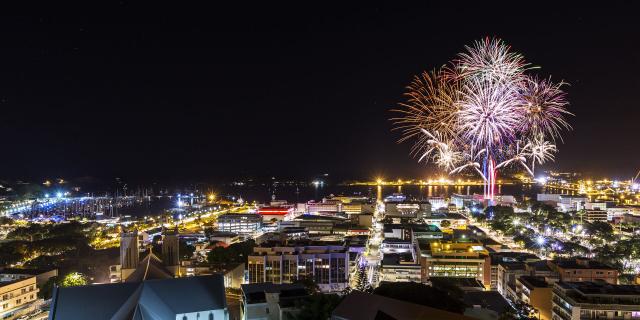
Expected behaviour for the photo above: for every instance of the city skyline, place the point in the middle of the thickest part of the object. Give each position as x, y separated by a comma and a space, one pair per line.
288, 93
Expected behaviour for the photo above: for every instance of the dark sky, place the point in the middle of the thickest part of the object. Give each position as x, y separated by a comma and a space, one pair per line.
210, 92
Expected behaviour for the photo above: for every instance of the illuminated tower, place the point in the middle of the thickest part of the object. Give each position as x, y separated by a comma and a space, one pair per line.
129, 253
170, 252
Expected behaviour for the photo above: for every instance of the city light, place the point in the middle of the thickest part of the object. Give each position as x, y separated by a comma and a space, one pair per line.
541, 180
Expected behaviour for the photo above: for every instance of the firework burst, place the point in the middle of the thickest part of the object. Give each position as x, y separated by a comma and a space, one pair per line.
545, 107
483, 112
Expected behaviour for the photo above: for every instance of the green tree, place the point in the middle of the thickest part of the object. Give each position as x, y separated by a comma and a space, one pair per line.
73, 279
309, 284
237, 252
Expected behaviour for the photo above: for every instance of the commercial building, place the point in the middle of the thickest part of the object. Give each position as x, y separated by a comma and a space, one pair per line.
18, 296
277, 212
400, 267
466, 201
261, 301
438, 202
580, 269
591, 300
564, 202
325, 206
242, 224
407, 209
328, 266
456, 260
455, 220
412, 231
596, 215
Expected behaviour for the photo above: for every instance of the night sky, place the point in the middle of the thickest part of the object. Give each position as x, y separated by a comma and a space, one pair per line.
203, 93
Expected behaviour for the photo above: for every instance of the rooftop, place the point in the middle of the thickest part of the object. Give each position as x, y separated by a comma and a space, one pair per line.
222, 234
582, 264
153, 299
255, 292
365, 306
459, 282
398, 259
235, 216
491, 300
533, 282
33, 272
601, 293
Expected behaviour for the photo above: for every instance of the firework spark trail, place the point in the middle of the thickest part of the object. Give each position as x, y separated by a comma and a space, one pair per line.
544, 104
476, 113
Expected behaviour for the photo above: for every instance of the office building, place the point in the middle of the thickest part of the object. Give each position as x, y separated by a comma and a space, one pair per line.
328, 266
400, 267
242, 224
407, 209
456, 260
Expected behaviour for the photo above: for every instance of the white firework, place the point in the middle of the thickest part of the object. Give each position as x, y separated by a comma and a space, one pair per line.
489, 60
489, 114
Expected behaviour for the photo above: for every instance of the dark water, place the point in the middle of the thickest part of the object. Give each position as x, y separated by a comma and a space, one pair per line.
153, 207
303, 194
294, 194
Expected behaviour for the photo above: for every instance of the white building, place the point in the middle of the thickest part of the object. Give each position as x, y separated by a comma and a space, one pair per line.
243, 224
438, 202
328, 266
564, 202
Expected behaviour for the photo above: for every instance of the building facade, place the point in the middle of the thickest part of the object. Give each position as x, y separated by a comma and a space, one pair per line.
328, 266
590, 300
242, 224
455, 260
577, 270
536, 292
18, 297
